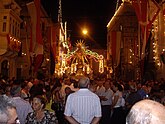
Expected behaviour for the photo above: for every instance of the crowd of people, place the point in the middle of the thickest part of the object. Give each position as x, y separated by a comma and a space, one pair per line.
103, 101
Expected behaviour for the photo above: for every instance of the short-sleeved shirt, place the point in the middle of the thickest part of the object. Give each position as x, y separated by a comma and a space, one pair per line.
83, 106
119, 101
108, 95
100, 90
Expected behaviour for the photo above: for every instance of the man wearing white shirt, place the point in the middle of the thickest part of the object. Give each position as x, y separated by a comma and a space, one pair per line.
106, 101
83, 106
100, 88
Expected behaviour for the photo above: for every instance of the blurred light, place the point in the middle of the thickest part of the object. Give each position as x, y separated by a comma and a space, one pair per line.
85, 31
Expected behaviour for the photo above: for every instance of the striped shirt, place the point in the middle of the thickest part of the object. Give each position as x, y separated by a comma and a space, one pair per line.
83, 106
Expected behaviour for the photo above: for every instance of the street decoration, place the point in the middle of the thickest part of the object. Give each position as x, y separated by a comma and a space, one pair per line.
78, 62
13, 44
156, 54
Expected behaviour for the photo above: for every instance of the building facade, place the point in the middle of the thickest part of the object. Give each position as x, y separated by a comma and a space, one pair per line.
16, 59
10, 42
124, 45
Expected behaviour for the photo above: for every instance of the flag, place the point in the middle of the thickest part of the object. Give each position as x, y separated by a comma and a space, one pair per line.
146, 59
153, 11
116, 41
36, 45
54, 38
146, 11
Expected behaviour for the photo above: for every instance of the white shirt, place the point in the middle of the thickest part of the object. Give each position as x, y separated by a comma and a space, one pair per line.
119, 101
100, 90
108, 95
83, 106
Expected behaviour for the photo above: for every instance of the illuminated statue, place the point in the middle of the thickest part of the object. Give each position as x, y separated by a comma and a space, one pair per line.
78, 62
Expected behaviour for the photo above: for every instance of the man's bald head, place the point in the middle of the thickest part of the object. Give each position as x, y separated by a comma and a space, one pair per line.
146, 112
84, 82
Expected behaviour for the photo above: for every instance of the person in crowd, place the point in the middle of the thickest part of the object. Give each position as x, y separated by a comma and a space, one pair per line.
37, 88
83, 106
132, 98
146, 112
100, 88
117, 105
8, 114
58, 101
106, 101
7, 90
25, 91
47, 89
93, 86
68, 91
23, 107
66, 83
143, 92
3, 85
40, 115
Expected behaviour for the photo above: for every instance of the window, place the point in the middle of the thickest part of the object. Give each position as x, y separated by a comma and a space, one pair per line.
10, 29
5, 17
13, 30
4, 27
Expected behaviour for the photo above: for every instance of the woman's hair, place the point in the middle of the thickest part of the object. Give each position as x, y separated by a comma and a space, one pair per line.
42, 100
119, 86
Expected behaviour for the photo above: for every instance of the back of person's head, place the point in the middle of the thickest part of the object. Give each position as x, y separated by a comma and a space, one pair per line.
84, 82
6, 106
146, 112
15, 90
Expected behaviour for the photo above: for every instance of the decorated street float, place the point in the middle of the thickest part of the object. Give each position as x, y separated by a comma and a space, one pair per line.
78, 62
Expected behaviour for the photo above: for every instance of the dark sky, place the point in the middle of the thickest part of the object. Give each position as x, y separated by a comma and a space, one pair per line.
93, 14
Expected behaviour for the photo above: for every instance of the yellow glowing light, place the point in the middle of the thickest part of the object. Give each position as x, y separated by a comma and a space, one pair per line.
101, 66
88, 69
85, 31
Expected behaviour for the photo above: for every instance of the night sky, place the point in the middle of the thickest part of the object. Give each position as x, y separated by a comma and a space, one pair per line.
93, 14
